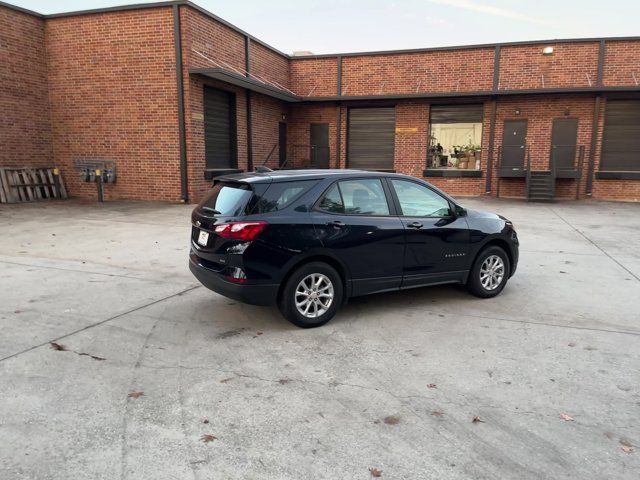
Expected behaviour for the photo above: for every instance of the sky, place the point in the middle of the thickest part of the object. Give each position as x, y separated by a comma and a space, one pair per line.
334, 26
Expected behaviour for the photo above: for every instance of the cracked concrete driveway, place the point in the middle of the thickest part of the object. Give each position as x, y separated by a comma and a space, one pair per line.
392, 383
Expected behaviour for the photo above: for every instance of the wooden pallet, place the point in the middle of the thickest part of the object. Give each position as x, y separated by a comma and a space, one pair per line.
29, 184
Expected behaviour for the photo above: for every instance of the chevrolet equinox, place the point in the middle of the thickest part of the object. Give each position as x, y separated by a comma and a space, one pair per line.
307, 240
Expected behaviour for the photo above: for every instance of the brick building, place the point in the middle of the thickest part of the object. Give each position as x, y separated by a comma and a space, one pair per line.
172, 95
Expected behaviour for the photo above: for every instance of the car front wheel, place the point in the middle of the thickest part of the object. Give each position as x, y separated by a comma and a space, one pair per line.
489, 273
312, 295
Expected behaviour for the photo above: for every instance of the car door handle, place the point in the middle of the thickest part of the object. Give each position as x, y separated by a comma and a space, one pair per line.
416, 225
337, 224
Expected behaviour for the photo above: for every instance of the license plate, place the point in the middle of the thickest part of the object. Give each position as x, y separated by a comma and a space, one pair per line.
203, 238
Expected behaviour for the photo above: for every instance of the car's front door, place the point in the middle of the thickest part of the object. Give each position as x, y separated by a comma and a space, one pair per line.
354, 218
436, 240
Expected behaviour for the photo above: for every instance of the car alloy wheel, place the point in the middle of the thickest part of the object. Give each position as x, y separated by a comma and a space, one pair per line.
314, 295
492, 272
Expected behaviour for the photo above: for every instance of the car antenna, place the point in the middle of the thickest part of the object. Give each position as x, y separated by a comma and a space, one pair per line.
262, 169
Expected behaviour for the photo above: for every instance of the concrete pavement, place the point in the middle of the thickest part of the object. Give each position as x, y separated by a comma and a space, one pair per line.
393, 383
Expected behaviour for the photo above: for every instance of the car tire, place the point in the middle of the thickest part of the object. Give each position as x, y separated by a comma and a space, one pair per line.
308, 288
490, 273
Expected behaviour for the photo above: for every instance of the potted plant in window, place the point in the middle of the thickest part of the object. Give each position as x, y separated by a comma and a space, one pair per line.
460, 153
471, 153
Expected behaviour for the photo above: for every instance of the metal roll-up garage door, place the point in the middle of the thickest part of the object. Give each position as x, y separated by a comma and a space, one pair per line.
371, 138
621, 137
456, 113
219, 129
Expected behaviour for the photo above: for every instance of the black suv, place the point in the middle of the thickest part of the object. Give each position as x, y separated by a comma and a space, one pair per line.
310, 239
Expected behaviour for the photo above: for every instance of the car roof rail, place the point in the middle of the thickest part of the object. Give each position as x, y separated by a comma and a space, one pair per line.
262, 169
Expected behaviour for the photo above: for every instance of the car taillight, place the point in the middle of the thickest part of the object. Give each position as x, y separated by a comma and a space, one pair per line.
245, 231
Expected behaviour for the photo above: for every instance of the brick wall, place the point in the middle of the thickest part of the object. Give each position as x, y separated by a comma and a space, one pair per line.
209, 44
622, 63
206, 42
266, 113
570, 65
269, 65
299, 132
25, 128
540, 111
102, 87
113, 97
202, 38
465, 70
315, 77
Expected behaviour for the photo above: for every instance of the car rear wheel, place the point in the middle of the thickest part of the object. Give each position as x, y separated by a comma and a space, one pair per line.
312, 295
489, 273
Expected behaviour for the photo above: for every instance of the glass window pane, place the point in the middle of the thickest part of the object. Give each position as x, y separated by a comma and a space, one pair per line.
454, 145
364, 197
419, 201
332, 202
281, 194
227, 198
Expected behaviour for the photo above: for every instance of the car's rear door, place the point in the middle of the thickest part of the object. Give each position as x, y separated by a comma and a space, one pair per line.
437, 241
355, 219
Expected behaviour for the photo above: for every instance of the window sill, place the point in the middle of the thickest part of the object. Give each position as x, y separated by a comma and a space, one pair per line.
452, 172
613, 175
211, 173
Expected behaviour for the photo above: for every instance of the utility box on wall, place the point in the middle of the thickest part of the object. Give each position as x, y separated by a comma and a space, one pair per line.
98, 171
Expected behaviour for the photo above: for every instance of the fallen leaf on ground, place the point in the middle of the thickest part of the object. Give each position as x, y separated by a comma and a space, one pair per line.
432, 385
626, 449
476, 419
95, 357
205, 421
258, 333
571, 344
375, 472
391, 420
135, 394
208, 438
284, 381
59, 347
566, 418
437, 413
225, 380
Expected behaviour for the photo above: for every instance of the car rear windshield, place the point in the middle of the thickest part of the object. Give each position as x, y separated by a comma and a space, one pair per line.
238, 198
227, 198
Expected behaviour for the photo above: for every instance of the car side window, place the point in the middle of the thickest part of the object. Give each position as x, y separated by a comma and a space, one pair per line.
419, 201
363, 197
332, 201
280, 195
356, 197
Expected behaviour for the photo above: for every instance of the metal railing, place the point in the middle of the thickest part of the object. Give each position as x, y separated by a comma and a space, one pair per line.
562, 161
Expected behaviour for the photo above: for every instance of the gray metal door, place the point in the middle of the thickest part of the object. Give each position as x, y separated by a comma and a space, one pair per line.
371, 138
564, 135
319, 154
219, 129
514, 140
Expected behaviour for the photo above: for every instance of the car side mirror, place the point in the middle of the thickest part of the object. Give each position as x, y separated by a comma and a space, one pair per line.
459, 211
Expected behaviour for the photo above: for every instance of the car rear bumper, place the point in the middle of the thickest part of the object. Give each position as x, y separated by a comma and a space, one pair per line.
264, 294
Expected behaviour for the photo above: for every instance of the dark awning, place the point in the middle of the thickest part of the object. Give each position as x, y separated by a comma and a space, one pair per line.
242, 81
